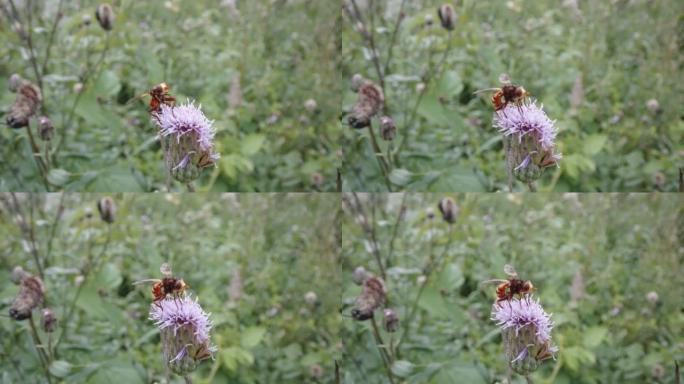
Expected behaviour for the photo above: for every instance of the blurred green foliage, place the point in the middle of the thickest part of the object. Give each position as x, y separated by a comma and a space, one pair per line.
594, 259
265, 330
592, 64
252, 66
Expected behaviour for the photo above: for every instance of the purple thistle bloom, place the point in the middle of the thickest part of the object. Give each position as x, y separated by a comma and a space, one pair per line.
184, 329
526, 330
531, 137
187, 138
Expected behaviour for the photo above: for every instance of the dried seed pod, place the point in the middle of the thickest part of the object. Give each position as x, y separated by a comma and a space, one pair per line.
447, 16
448, 209
25, 105
371, 298
387, 128
30, 296
107, 209
391, 320
105, 16
368, 104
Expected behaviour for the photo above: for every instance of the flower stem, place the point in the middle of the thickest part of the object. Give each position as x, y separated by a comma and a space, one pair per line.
383, 354
531, 186
384, 168
44, 361
187, 379
190, 187
529, 379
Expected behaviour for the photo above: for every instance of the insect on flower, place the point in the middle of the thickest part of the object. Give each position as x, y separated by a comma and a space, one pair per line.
509, 93
168, 285
160, 94
512, 287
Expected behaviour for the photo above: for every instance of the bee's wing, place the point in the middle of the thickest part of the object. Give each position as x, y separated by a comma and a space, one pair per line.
510, 271
146, 281
486, 90
165, 269
493, 282
504, 78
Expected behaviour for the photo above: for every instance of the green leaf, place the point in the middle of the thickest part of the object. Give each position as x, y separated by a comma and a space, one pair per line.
402, 368
252, 336
58, 177
593, 336
60, 368
400, 177
116, 372
594, 143
252, 144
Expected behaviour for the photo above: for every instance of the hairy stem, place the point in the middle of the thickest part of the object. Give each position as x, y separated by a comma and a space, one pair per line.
381, 348
44, 361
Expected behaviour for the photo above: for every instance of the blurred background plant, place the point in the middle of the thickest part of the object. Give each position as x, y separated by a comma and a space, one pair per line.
607, 267
608, 72
264, 266
265, 71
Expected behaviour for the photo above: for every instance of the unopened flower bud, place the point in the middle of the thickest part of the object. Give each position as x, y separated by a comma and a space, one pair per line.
360, 275
78, 88
420, 87
310, 105
391, 320
14, 82
86, 19
316, 179
105, 16
45, 128
18, 274
79, 280
421, 279
19, 30
107, 209
447, 16
658, 371
653, 106
428, 20
652, 297
448, 209
356, 82
430, 213
311, 298
30, 296
387, 128
49, 321
316, 371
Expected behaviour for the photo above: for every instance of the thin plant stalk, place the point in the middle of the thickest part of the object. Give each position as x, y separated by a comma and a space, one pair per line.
531, 186
432, 265
44, 362
529, 379
383, 354
384, 167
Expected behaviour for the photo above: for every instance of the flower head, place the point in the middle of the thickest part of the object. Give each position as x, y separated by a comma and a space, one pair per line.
368, 104
184, 329
526, 330
187, 138
531, 139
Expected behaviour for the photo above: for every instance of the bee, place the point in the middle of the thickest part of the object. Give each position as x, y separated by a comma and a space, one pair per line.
160, 95
509, 93
168, 285
513, 286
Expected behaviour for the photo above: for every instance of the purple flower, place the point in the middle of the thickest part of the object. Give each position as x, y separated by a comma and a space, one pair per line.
187, 138
184, 329
530, 140
526, 330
